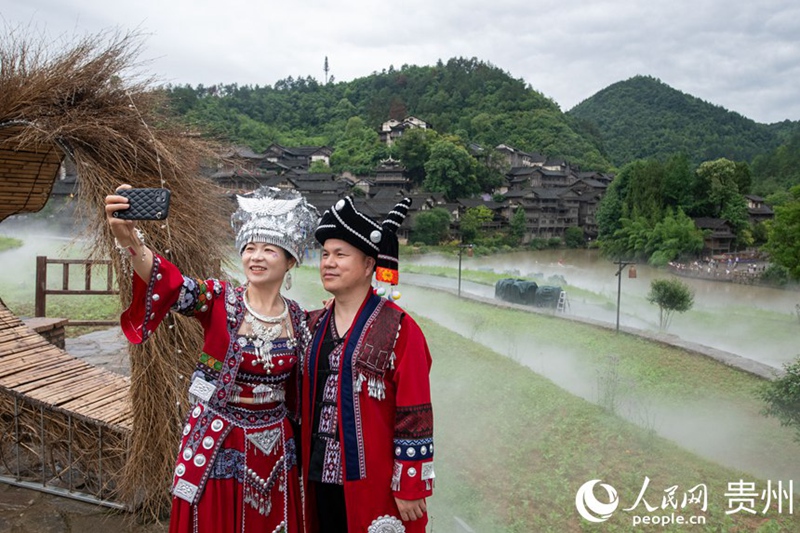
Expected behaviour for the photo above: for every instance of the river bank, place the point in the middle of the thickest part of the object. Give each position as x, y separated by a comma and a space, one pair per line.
731, 317
727, 358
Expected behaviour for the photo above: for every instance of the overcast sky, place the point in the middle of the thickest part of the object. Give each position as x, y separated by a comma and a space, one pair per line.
741, 55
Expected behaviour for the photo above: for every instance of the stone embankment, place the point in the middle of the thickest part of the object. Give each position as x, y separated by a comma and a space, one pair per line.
730, 359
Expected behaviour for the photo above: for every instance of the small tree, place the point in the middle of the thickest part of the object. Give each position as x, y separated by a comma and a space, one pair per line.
473, 220
431, 227
517, 226
573, 237
670, 295
451, 170
783, 398
414, 149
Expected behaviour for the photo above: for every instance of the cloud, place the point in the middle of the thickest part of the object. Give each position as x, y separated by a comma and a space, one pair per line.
740, 55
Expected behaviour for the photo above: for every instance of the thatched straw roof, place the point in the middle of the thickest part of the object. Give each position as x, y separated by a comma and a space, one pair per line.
87, 100
27, 174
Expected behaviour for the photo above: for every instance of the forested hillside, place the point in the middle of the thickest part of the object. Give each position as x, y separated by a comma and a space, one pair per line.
472, 99
644, 118
778, 170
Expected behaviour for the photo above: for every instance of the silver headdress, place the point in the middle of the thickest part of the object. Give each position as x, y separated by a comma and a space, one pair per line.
280, 217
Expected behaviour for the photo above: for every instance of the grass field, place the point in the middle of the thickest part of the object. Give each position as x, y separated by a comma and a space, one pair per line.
7, 243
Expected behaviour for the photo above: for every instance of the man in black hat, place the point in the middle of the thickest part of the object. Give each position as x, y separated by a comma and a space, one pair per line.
367, 417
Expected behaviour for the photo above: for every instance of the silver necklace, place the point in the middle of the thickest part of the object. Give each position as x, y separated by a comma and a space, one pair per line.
264, 334
267, 319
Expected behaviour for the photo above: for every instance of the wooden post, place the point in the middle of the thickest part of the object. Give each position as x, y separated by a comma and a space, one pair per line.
64, 276
41, 285
622, 265
110, 276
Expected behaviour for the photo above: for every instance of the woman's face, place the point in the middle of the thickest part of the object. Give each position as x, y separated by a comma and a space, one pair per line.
265, 264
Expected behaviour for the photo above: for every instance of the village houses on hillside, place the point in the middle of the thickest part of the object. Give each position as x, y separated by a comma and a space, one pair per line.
553, 194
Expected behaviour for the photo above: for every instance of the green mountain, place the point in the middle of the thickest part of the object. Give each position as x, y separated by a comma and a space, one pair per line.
645, 118
469, 98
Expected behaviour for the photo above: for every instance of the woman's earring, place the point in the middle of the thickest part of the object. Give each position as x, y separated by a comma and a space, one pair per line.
287, 282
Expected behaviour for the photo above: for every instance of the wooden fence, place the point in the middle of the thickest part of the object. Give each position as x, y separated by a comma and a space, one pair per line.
89, 265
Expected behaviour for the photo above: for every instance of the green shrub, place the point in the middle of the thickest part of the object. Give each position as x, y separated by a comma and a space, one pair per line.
782, 397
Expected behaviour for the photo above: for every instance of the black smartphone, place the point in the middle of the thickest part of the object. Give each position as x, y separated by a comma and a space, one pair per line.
144, 204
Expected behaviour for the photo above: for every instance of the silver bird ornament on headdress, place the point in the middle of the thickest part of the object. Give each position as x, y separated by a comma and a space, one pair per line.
274, 216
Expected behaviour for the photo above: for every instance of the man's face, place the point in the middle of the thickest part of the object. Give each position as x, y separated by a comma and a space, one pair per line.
343, 267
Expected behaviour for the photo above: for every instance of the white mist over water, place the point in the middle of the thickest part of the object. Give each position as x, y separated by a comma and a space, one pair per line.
39, 237
758, 323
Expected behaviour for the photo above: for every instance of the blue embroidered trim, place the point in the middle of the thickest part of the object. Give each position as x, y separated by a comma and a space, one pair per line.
229, 464
187, 298
148, 305
413, 450
349, 420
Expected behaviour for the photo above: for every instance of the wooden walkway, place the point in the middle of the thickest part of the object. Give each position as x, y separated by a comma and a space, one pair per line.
41, 372
65, 424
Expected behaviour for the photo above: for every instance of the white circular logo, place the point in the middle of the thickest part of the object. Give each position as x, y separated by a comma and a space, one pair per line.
590, 507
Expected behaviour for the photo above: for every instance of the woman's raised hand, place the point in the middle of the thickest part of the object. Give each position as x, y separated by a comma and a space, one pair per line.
127, 236
124, 230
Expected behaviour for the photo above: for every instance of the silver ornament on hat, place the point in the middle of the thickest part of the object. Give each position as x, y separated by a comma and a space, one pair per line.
274, 216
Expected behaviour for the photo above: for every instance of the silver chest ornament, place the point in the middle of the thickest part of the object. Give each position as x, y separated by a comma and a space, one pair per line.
386, 524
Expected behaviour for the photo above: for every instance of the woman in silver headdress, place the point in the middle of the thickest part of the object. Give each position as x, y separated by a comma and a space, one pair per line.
237, 464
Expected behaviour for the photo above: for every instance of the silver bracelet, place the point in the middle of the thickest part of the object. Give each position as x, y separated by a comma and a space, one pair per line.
128, 253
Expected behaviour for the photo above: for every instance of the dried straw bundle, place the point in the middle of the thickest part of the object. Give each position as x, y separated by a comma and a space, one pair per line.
116, 132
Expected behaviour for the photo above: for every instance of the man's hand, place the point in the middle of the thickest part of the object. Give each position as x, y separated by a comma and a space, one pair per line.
411, 509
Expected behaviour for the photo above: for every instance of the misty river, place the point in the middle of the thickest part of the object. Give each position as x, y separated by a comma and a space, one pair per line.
755, 322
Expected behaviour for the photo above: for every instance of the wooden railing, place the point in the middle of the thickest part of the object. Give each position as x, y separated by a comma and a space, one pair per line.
42, 291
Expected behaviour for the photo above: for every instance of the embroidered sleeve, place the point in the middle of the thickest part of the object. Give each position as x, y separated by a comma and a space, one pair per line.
413, 432
167, 289
196, 296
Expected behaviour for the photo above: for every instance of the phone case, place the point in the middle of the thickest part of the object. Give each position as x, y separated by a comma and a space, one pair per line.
145, 204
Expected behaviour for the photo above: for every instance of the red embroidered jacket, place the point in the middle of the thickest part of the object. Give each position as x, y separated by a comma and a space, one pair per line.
385, 415
217, 305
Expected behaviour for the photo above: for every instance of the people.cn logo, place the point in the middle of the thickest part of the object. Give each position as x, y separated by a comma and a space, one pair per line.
590, 507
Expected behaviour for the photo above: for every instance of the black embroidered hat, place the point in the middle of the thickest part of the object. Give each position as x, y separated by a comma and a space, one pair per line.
388, 257
343, 221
